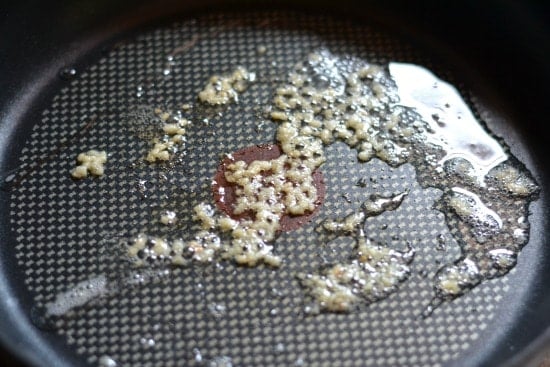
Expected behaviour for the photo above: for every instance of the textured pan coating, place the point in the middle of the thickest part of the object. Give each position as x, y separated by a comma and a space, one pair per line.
66, 229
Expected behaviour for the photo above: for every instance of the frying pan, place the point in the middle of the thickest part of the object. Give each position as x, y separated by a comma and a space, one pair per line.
495, 51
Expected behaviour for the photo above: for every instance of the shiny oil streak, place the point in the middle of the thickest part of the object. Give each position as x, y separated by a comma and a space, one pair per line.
454, 127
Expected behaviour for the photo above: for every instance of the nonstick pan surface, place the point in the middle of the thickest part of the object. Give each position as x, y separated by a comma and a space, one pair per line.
57, 232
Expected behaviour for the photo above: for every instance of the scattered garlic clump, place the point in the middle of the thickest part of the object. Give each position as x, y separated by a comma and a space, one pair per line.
374, 272
174, 129
91, 162
222, 89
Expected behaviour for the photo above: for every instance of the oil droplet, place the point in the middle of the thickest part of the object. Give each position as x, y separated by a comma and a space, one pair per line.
378, 204
434, 303
503, 259
147, 342
279, 348
78, 295
520, 235
67, 73
106, 361
441, 245
222, 361
311, 309
484, 222
278, 293
139, 91
197, 355
456, 279
299, 362
427, 311
460, 137
217, 309
168, 218
274, 312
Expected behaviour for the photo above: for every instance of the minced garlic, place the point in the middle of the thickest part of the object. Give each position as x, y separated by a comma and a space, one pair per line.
484, 223
453, 280
165, 146
351, 107
91, 162
222, 89
204, 213
267, 190
326, 100
374, 272
348, 224
168, 217
512, 180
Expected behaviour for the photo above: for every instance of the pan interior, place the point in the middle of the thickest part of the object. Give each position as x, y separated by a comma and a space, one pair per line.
68, 233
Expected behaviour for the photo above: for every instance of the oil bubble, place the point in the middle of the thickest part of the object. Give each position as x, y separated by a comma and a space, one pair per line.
67, 73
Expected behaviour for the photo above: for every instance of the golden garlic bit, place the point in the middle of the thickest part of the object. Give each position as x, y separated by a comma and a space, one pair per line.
374, 272
90, 163
165, 146
222, 89
351, 107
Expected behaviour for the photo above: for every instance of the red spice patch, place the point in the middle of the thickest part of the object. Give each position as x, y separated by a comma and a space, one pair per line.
224, 192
